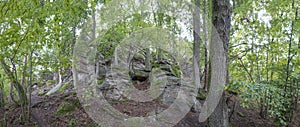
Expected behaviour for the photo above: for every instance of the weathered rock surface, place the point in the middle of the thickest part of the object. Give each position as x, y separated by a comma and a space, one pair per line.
114, 83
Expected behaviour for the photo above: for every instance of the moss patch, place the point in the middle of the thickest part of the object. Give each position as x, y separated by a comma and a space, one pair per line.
64, 108
100, 81
176, 71
202, 96
50, 82
62, 89
141, 73
41, 93
40, 84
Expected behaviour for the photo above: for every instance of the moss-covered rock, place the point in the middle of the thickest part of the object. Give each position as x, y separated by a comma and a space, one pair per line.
100, 81
41, 92
122, 99
176, 71
50, 82
139, 56
165, 67
40, 84
202, 96
141, 74
77, 103
64, 108
72, 123
62, 88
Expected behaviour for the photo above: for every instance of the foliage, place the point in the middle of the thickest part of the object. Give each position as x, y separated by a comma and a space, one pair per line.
125, 27
267, 95
264, 55
36, 36
263, 60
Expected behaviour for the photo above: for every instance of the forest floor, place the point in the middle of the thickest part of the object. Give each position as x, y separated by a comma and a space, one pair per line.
44, 113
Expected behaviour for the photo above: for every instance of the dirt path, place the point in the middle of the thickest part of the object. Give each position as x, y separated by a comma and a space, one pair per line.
43, 115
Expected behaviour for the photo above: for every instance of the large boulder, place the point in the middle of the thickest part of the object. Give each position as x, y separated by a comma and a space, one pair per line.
170, 91
138, 72
138, 69
111, 91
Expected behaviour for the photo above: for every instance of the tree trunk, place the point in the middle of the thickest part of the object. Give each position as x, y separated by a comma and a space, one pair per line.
14, 82
29, 85
24, 71
1, 93
20, 89
56, 88
206, 45
196, 46
221, 20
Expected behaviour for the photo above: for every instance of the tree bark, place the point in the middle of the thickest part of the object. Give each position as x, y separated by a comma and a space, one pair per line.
1, 92
24, 71
29, 85
221, 21
206, 45
196, 46
15, 82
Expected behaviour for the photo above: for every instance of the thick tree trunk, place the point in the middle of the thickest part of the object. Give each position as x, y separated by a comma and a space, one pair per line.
196, 46
221, 21
206, 45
